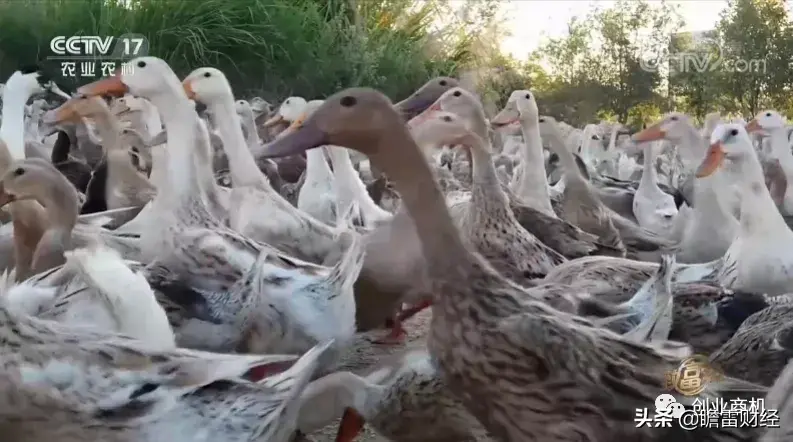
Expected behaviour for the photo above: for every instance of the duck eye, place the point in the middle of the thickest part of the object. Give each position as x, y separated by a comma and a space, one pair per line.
19, 172
542, 120
141, 64
734, 132
768, 114
443, 83
348, 101
528, 96
207, 75
446, 118
673, 118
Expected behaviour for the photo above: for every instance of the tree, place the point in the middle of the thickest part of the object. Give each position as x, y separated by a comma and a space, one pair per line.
755, 43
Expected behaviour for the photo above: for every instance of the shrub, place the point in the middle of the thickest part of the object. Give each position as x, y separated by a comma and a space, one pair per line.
272, 48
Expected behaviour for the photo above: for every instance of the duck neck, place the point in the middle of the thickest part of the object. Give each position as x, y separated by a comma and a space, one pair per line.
566, 158
693, 146
759, 213
119, 166
251, 135
12, 128
402, 161
486, 192
649, 179
317, 169
181, 123
61, 206
533, 185
709, 205
328, 397
348, 184
242, 165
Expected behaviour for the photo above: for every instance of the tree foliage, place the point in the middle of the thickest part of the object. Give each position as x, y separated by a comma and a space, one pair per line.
630, 63
273, 48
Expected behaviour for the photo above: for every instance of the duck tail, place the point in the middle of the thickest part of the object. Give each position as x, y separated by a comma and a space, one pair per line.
126, 294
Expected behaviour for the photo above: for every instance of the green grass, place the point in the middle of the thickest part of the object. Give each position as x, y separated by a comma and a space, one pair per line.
273, 48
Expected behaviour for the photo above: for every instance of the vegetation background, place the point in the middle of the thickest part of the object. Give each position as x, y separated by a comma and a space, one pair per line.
277, 48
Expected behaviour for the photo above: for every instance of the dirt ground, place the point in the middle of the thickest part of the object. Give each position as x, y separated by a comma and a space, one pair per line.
363, 356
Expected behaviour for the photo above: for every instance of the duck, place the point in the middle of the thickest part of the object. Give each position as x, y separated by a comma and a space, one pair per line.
581, 206
403, 398
771, 124
530, 184
705, 231
254, 297
29, 220
653, 208
124, 186
492, 345
74, 384
485, 218
758, 259
256, 210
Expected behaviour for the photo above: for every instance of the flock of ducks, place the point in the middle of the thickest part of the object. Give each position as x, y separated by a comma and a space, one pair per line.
182, 266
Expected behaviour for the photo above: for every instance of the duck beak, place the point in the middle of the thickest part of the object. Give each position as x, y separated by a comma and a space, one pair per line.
712, 161
504, 118
275, 119
62, 113
299, 137
187, 85
414, 105
112, 86
753, 126
351, 424
652, 133
422, 117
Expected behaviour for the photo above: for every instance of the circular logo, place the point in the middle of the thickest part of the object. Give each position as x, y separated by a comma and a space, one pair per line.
692, 375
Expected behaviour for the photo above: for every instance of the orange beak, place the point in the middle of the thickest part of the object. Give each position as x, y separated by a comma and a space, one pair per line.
753, 126
112, 86
351, 424
652, 133
712, 161
66, 112
422, 117
275, 119
297, 124
187, 85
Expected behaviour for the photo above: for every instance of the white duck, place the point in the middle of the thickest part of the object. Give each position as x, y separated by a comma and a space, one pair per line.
531, 184
772, 125
653, 208
760, 259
